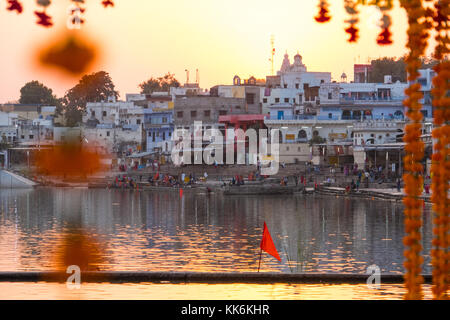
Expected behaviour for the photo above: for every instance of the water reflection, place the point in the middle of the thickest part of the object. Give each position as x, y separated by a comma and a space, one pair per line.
201, 291
152, 231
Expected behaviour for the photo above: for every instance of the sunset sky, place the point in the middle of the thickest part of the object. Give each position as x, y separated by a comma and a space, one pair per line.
142, 38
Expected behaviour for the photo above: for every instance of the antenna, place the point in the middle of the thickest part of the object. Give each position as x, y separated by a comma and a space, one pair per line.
272, 53
197, 79
187, 75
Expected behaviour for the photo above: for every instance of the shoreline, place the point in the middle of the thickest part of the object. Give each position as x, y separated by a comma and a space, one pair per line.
369, 194
202, 277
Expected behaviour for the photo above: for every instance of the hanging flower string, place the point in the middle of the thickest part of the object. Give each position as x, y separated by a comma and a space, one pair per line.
323, 12
14, 5
414, 148
107, 3
440, 168
43, 19
350, 8
76, 11
384, 38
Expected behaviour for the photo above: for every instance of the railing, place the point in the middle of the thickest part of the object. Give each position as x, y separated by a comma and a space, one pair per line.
292, 117
370, 100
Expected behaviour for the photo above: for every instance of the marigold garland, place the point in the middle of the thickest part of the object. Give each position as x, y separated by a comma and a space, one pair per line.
440, 168
417, 42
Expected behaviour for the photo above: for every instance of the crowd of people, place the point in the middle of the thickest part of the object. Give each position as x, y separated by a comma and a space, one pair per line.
360, 178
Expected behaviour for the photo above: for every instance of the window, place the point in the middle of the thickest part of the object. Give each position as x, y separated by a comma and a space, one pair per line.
222, 112
286, 100
164, 119
264, 100
153, 134
180, 114
302, 135
287, 148
107, 133
193, 114
93, 113
207, 113
330, 96
297, 86
104, 113
138, 121
285, 85
23, 137
379, 137
372, 135
238, 107
164, 136
293, 100
330, 115
31, 136
277, 100
250, 98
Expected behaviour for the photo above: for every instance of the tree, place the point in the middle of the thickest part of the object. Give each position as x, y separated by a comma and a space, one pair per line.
34, 92
161, 84
95, 87
388, 66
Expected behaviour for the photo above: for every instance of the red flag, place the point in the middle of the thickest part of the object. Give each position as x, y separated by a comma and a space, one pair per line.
267, 244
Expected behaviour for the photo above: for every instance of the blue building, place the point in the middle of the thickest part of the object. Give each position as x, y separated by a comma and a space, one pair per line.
158, 125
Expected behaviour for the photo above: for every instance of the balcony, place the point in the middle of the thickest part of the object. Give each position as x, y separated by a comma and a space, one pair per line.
370, 100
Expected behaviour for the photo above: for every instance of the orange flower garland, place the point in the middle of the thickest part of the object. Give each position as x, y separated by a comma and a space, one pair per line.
417, 42
440, 165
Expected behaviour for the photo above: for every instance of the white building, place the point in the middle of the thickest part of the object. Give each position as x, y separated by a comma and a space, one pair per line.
8, 119
377, 132
293, 84
117, 113
296, 74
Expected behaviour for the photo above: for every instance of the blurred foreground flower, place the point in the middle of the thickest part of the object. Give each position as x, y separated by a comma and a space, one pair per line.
80, 249
72, 54
69, 160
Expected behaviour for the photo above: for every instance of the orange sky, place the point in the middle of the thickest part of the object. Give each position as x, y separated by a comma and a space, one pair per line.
140, 39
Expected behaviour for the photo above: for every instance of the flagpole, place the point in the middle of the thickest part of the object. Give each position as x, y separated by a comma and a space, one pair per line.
260, 256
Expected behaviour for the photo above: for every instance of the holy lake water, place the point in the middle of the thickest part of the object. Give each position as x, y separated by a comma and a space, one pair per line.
161, 231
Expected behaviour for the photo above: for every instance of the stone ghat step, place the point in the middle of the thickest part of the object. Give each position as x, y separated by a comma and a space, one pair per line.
201, 277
